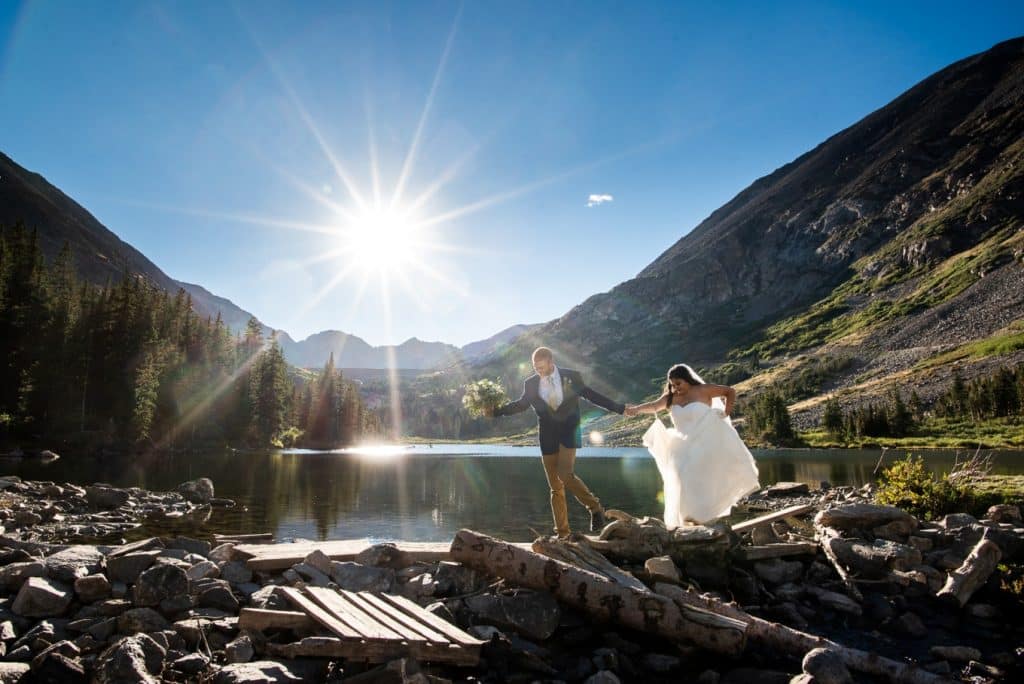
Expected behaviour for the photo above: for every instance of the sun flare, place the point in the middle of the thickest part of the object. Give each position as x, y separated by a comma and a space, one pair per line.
381, 240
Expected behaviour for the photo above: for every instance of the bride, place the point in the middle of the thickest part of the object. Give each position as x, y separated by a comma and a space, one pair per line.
704, 465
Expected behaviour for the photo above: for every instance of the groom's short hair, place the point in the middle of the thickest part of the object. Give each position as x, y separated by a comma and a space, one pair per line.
541, 354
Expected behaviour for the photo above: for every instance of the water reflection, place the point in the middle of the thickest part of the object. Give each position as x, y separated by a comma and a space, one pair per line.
425, 492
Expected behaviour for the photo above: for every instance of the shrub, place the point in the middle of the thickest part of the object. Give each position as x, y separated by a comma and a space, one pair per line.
908, 484
482, 397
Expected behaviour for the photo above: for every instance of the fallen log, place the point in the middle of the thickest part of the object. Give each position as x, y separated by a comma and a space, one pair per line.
973, 573
583, 556
797, 643
644, 611
826, 535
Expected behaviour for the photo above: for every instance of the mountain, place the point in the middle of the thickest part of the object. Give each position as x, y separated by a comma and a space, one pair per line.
351, 351
496, 342
883, 254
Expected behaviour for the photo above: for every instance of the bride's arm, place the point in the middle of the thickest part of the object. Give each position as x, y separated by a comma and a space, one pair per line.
724, 391
650, 407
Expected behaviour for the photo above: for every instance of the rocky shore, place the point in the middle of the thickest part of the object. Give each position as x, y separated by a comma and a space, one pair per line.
943, 596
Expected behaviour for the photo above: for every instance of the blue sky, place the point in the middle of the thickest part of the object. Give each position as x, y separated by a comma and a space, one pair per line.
203, 133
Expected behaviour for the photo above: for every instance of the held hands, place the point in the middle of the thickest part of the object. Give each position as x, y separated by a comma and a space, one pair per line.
631, 411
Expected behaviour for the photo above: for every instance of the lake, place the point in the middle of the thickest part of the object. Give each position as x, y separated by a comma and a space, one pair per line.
426, 492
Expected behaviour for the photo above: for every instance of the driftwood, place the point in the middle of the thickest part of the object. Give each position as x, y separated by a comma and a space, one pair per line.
779, 550
581, 555
258, 619
789, 512
973, 573
644, 611
797, 643
826, 535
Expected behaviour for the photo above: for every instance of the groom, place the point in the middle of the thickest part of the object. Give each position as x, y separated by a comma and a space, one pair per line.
554, 393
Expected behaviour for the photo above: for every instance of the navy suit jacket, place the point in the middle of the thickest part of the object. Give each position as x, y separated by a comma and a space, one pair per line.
560, 427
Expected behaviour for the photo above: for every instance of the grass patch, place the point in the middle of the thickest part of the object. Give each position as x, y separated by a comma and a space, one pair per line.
1003, 343
934, 433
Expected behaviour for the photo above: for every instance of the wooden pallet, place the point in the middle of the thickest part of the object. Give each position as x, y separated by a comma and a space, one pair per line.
369, 627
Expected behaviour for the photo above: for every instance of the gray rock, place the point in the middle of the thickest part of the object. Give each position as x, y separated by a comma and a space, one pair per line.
660, 663
835, 600
873, 560
192, 664
7, 631
10, 673
957, 520
662, 569
959, 654
203, 570
14, 575
102, 631
534, 615
176, 604
456, 579
222, 553
268, 598
911, 625
137, 659
74, 562
141, 620
158, 583
127, 568
215, 593
826, 667
27, 518
40, 597
779, 571
863, 516
59, 664
311, 575
1004, 513
603, 677
235, 572
750, 675
788, 489
358, 577
385, 556
257, 672
190, 545
319, 560
103, 497
92, 588
197, 491
240, 650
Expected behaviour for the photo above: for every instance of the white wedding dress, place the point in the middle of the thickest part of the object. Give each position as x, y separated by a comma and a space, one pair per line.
705, 466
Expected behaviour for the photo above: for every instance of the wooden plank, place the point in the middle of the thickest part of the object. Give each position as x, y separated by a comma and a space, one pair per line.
752, 553
772, 517
383, 617
345, 611
443, 626
270, 557
376, 652
320, 615
411, 624
258, 619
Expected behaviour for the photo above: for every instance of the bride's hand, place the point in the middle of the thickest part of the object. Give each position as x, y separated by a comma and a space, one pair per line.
631, 411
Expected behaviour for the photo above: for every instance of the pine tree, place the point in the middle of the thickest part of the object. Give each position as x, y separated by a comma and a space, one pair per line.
832, 419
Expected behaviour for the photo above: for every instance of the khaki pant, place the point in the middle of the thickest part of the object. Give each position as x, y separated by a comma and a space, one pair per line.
559, 469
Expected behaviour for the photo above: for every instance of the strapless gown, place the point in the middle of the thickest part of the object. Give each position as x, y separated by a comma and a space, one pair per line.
705, 466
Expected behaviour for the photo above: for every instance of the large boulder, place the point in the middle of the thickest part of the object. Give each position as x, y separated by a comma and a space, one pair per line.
137, 659
215, 593
197, 491
127, 567
534, 615
92, 588
873, 560
74, 562
160, 582
40, 597
864, 516
14, 575
104, 497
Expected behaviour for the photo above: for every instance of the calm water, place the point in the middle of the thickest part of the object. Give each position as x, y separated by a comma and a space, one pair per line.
428, 493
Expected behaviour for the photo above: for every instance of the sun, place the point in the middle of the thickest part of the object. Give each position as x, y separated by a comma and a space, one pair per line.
381, 240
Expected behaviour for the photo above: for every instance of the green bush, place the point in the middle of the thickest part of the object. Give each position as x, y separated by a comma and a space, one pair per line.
909, 485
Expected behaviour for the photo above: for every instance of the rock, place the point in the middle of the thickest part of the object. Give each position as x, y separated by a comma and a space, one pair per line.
779, 571
74, 562
58, 664
897, 530
215, 593
14, 575
192, 664
662, 569
222, 553
358, 577
27, 518
257, 672
158, 583
535, 615
102, 631
874, 560
788, 489
385, 556
40, 597
133, 659
10, 673
190, 545
197, 491
319, 560
127, 568
92, 588
835, 600
103, 497
236, 572
826, 667
749, 675
922, 544
656, 662
419, 588
7, 631
603, 677
240, 650
141, 620
959, 654
911, 625
1004, 513
982, 611
955, 521
268, 598
863, 516
203, 570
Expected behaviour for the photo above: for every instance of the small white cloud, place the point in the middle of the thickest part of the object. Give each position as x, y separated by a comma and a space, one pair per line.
595, 200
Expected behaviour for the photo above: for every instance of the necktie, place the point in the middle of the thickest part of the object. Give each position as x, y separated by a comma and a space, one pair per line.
552, 397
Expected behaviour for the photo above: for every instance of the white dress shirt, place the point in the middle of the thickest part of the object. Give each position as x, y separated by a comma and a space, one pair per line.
551, 384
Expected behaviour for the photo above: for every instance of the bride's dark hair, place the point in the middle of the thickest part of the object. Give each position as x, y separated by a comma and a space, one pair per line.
680, 371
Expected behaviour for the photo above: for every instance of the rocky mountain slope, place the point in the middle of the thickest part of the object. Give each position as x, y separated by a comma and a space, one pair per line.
881, 255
